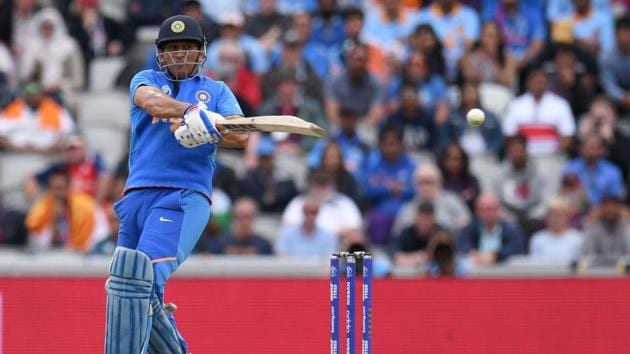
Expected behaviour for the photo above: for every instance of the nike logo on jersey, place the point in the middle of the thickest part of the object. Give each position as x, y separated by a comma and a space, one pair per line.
163, 219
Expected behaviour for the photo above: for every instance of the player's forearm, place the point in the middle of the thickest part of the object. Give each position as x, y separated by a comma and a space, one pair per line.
234, 140
157, 104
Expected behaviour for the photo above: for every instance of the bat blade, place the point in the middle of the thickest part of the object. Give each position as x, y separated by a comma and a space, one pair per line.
270, 124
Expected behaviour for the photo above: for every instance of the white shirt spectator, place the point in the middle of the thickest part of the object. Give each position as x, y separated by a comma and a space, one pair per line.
7, 65
337, 214
543, 123
294, 242
560, 247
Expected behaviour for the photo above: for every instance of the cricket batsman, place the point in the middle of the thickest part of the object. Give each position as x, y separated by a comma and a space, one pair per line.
166, 205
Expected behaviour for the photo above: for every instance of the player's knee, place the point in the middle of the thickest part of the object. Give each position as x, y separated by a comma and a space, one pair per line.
130, 272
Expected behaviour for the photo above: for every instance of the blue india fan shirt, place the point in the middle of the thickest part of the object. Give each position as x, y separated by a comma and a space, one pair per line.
156, 159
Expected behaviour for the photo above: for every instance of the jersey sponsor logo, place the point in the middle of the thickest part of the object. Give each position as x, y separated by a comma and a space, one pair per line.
202, 96
178, 26
166, 89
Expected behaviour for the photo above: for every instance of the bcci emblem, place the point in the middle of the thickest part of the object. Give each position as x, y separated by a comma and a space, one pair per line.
166, 89
333, 271
178, 27
202, 96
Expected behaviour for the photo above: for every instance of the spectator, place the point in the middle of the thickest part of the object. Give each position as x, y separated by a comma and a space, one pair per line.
420, 131
338, 213
457, 26
12, 229
53, 58
520, 185
242, 240
590, 28
332, 161
387, 180
454, 165
544, 118
194, 9
409, 248
559, 9
425, 40
149, 12
354, 149
441, 257
328, 27
231, 30
523, 29
598, 176
307, 239
376, 60
87, 172
489, 239
356, 89
485, 139
607, 238
8, 78
571, 80
558, 242
488, 61
65, 218
271, 187
289, 101
316, 55
615, 74
96, 34
107, 246
430, 87
292, 57
450, 211
267, 25
388, 27
34, 122
23, 25
224, 177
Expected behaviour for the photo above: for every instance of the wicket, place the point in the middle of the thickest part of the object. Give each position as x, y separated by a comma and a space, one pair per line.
366, 301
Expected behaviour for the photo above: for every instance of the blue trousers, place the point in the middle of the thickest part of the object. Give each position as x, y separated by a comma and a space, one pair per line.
165, 224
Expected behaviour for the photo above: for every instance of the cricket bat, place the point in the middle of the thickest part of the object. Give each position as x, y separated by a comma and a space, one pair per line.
270, 124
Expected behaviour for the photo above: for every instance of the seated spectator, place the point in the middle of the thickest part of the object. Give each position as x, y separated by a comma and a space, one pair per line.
558, 241
87, 172
570, 79
313, 53
431, 87
8, 77
194, 9
34, 122
614, 71
107, 246
231, 30
456, 176
354, 149
328, 27
292, 57
332, 162
356, 88
425, 40
541, 116
450, 210
289, 101
388, 26
457, 26
409, 248
53, 58
420, 131
65, 218
598, 176
571, 190
442, 257
267, 25
242, 239
338, 213
387, 182
271, 187
607, 237
522, 27
489, 239
307, 239
223, 178
520, 184
488, 60
590, 28
485, 139
12, 229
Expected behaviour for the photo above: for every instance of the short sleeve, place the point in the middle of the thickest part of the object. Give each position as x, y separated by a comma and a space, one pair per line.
566, 125
228, 105
143, 78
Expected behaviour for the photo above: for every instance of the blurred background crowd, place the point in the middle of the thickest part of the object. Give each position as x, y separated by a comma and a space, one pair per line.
402, 173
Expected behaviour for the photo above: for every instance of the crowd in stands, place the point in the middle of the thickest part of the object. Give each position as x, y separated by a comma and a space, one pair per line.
402, 172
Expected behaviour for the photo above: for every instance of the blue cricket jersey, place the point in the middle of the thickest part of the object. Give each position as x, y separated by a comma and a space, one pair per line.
156, 159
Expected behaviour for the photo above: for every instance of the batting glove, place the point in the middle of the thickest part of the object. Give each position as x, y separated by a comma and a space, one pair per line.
186, 138
201, 123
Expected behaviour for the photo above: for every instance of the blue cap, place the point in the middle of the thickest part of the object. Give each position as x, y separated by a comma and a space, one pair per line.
266, 147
